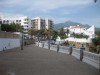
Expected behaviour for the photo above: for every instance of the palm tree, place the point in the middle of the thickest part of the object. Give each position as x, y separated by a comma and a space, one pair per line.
54, 35
62, 34
49, 33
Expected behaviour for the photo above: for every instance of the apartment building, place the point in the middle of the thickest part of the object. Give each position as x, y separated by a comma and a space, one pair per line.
23, 21
39, 23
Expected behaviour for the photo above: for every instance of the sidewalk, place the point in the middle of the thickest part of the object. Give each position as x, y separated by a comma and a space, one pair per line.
39, 61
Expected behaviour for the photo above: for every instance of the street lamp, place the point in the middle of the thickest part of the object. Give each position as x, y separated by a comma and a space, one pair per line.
22, 39
0, 27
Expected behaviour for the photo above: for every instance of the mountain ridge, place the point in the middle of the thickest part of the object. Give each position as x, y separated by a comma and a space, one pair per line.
70, 23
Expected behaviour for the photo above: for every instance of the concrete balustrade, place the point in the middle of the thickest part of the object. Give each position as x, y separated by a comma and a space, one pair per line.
36, 43
64, 49
40, 44
92, 59
53, 47
46, 45
87, 57
76, 53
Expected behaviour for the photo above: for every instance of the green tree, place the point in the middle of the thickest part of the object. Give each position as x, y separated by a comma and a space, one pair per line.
41, 33
98, 49
67, 32
97, 33
11, 27
49, 33
54, 35
32, 32
62, 34
73, 34
96, 41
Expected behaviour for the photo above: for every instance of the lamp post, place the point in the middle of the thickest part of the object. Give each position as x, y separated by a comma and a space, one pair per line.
0, 27
22, 40
38, 39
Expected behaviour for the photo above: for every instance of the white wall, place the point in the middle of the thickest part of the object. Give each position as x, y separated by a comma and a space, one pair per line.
9, 43
81, 40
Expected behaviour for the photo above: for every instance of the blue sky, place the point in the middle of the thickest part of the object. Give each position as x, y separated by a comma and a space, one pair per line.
82, 11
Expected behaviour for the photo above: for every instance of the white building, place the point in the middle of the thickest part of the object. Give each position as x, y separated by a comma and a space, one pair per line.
39, 23
78, 30
23, 21
90, 32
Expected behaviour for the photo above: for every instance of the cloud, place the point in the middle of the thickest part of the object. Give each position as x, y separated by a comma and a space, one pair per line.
2, 14
10, 2
57, 10
44, 5
47, 5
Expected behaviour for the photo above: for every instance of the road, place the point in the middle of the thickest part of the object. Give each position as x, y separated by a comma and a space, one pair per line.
39, 61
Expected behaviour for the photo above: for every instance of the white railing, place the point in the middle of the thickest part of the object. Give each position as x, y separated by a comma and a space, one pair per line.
40, 44
76, 53
36, 43
53, 47
92, 59
46, 45
64, 49
88, 57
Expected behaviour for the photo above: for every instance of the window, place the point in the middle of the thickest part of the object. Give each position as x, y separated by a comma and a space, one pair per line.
26, 26
25, 22
19, 20
26, 19
16, 20
3, 20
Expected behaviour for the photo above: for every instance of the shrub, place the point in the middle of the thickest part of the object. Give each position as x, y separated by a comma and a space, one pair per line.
98, 49
92, 49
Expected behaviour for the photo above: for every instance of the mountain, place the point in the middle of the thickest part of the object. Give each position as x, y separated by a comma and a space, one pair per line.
67, 24
70, 23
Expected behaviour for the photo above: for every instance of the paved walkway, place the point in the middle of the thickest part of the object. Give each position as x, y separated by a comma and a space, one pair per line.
38, 61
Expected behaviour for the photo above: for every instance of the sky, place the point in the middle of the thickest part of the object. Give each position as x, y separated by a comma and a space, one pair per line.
82, 11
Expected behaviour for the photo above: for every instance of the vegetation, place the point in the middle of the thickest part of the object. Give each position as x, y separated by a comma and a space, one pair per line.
97, 33
11, 27
62, 34
54, 35
79, 35
67, 32
66, 43
95, 47
31, 32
